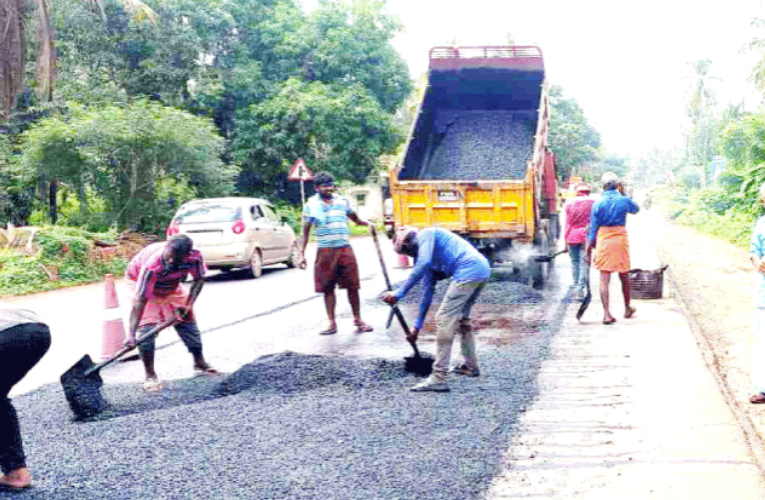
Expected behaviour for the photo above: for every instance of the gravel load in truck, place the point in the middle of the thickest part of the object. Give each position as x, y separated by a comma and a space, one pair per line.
480, 144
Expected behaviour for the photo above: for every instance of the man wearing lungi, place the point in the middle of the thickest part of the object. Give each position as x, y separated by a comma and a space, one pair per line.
336, 264
155, 275
608, 235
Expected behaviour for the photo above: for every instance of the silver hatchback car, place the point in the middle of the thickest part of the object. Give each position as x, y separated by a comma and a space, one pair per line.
237, 233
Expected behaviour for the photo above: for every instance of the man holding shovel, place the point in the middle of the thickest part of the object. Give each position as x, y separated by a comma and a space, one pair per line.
441, 254
155, 275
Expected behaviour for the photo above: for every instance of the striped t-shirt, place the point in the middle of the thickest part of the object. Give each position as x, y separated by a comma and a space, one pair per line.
153, 279
330, 220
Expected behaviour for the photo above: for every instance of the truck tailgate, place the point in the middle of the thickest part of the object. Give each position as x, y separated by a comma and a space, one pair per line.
503, 209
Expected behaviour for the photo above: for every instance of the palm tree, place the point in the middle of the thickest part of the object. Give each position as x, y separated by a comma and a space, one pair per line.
12, 46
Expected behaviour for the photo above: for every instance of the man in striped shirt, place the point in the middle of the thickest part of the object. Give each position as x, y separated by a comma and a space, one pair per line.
335, 262
155, 275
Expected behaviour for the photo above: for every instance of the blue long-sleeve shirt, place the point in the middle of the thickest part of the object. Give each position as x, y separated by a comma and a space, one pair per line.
610, 210
442, 254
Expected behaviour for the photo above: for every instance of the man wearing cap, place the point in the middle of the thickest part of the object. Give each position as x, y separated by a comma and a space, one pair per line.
335, 264
608, 235
578, 212
155, 275
441, 254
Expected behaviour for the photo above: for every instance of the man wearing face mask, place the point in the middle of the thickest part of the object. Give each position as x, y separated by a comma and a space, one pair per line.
155, 275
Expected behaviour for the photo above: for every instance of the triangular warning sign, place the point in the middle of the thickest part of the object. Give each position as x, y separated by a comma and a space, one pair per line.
300, 171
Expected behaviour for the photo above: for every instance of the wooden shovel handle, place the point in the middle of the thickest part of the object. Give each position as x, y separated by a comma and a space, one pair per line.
124, 350
395, 307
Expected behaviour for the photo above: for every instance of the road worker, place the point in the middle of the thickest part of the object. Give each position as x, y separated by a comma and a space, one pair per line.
441, 254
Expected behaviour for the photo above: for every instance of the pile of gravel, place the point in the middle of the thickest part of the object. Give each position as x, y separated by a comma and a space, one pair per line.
289, 372
287, 426
479, 144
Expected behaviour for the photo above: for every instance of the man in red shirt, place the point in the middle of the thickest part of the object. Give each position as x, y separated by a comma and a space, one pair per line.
155, 275
578, 212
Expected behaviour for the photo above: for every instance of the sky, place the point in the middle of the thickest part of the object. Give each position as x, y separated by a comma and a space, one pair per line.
626, 64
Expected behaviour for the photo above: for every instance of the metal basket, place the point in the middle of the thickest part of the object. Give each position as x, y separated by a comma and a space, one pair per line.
646, 284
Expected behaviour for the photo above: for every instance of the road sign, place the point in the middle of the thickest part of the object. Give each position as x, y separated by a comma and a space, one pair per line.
300, 172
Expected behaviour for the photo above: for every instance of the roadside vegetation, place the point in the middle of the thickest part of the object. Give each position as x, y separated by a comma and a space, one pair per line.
711, 181
34, 260
114, 113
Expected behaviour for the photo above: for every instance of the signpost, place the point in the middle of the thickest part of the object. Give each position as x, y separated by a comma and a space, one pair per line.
300, 172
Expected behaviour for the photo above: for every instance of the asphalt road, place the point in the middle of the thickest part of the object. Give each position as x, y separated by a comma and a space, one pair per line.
299, 415
564, 409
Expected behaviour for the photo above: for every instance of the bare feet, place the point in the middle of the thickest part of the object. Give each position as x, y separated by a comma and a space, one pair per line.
17, 479
629, 312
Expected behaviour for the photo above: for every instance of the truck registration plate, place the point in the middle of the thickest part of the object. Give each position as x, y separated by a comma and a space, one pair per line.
448, 196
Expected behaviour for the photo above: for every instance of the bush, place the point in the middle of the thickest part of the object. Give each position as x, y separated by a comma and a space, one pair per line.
64, 257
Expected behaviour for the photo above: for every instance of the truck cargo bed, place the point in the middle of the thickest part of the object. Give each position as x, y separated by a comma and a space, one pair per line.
479, 144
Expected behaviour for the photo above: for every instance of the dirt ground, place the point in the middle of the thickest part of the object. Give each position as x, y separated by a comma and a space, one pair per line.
714, 282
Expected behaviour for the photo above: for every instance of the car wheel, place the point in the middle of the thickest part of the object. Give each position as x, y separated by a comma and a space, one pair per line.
294, 259
256, 264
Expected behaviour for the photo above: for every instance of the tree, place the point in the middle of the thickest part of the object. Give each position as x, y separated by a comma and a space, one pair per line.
573, 140
341, 129
12, 47
700, 108
121, 152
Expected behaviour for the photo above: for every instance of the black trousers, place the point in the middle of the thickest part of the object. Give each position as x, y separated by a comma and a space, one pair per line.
21, 347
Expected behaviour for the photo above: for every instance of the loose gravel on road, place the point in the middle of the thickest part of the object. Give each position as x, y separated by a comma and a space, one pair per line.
290, 426
480, 144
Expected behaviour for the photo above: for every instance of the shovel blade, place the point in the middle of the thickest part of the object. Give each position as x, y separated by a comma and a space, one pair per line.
420, 365
83, 389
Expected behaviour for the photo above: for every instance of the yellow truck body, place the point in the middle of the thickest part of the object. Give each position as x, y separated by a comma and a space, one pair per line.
476, 160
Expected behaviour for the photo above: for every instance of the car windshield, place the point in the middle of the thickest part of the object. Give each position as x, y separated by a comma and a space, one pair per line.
199, 214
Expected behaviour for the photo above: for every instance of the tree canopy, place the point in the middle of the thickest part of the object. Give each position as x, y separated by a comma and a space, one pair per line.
276, 85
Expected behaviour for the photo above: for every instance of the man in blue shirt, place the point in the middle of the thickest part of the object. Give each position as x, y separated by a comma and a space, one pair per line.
441, 254
608, 235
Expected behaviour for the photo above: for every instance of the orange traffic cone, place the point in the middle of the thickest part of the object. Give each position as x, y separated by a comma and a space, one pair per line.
113, 331
403, 261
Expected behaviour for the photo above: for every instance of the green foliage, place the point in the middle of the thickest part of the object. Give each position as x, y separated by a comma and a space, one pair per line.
713, 211
67, 250
16, 186
341, 129
293, 214
124, 153
573, 140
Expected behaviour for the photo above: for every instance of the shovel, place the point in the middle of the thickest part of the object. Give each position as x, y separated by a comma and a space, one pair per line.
419, 364
549, 258
588, 296
82, 382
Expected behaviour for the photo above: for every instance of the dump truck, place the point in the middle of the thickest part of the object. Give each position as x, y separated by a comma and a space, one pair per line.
476, 160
